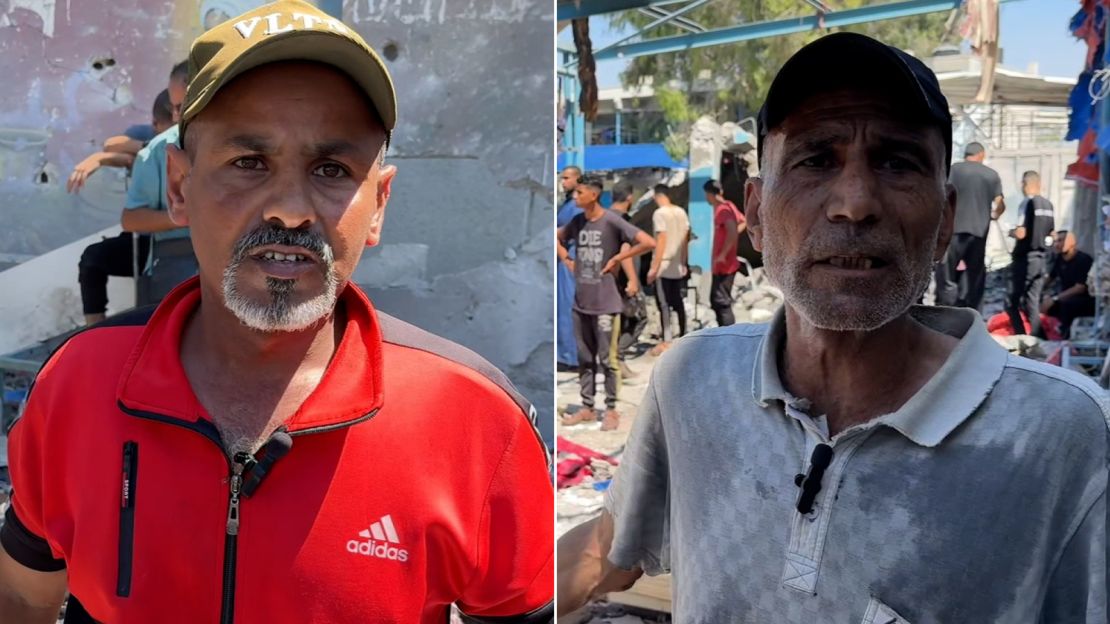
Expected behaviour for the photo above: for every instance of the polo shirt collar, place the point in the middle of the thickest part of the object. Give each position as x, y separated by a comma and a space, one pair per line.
154, 380
942, 404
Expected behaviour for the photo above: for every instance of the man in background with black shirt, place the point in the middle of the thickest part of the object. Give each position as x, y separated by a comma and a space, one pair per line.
1068, 274
978, 200
1035, 224
634, 316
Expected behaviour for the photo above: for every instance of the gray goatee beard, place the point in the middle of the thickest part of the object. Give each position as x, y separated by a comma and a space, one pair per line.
278, 313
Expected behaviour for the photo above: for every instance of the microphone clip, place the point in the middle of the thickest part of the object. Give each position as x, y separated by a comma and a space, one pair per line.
810, 483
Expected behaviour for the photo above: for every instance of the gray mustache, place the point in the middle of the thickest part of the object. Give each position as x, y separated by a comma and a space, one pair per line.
825, 246
275, 235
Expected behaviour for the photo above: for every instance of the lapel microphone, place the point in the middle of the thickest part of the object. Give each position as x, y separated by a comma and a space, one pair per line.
811, 481
256, 467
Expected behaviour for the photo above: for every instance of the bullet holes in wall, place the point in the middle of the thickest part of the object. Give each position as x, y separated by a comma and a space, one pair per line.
100, 64
391, 50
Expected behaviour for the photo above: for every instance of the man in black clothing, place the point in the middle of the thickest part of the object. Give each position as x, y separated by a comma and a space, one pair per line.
978, 200
1070, 268
634, 316
1034, 236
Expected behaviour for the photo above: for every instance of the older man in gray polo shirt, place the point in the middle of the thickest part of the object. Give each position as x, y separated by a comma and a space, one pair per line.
860, 459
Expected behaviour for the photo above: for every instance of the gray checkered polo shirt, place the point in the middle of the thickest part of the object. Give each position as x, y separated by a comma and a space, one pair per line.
983, 499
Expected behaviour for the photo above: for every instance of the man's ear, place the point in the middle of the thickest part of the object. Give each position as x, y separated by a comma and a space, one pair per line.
385, 187
947, 223
178, 167
753, 197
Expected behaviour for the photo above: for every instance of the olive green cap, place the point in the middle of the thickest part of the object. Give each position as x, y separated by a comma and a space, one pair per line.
288, 30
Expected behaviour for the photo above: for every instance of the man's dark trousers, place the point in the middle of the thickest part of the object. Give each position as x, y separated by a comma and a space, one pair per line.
1026, 286
1067, 310
968, 291
111, 256
597, 336
720, 298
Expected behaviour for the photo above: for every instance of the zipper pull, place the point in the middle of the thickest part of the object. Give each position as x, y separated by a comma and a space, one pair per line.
233, 503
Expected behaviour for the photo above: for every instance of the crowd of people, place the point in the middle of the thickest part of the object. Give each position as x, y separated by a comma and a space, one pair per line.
1048, 286
599, 287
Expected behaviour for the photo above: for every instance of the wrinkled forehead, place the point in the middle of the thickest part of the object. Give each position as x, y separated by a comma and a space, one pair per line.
849, 114
845, 108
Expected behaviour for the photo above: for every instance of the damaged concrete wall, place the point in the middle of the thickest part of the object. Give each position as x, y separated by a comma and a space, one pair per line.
466, 249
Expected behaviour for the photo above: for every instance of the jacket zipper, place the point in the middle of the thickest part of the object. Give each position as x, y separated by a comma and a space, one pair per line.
231, 541
235, 483
127, 518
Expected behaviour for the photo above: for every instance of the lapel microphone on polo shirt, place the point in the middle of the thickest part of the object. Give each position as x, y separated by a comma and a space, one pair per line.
811, 482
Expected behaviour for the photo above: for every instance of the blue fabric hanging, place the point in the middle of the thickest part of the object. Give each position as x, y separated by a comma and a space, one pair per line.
1082, 110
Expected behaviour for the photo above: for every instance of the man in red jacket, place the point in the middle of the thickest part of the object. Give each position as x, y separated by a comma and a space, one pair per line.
265, 446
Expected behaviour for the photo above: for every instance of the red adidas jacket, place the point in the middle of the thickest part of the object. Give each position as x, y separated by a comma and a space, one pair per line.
415, 479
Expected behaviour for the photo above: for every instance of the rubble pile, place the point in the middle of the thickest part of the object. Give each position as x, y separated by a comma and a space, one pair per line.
606, 613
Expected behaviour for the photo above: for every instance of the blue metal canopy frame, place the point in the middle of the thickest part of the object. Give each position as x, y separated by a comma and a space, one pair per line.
575, 9
776, 28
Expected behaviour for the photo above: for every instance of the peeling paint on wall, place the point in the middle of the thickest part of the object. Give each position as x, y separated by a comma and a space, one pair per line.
43, 9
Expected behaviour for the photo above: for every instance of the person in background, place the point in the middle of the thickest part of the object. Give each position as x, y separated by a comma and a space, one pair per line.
599, 235
132, 142
1034, 236
978, 201
144, 211
115, 150
115, 256
568, 181
567, 346
668, 264
1068, 275
728, 225
633, 317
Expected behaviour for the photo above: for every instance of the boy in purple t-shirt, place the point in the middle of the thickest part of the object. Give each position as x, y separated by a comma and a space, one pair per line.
598, 235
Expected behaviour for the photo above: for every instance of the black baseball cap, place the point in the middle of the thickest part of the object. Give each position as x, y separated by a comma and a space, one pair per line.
844, 60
